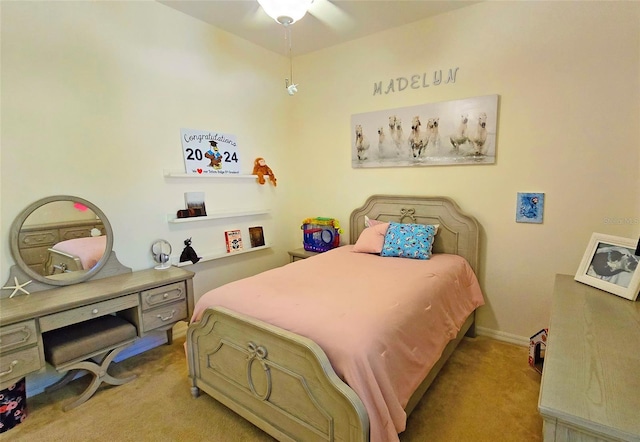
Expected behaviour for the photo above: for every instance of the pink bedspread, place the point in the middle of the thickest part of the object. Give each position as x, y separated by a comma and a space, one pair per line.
383, 322
89, 249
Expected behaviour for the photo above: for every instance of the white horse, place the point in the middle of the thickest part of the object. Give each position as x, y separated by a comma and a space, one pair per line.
416, 138
362, 144
461, 135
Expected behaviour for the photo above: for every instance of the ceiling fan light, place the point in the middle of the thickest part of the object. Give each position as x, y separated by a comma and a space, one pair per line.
285, 12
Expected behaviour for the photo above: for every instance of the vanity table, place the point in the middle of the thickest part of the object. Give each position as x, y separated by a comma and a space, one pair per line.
152, 300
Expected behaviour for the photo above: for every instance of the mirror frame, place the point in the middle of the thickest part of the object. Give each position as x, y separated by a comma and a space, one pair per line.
19, 221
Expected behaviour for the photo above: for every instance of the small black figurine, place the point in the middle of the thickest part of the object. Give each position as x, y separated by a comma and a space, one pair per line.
188, 254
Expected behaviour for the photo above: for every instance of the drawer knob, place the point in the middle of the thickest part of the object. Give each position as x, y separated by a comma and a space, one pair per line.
165, 296
11, 365
94, 311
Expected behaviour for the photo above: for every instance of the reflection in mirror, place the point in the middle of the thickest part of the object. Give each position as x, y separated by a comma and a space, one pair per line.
61, 240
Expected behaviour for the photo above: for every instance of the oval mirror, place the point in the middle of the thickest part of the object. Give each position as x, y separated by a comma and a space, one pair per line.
61, 240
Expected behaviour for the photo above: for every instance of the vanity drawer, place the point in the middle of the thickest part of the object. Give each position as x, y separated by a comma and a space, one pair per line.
163, 295
166, 315
35, 255
79, 231
37, 238
18, 335
58, 320
19, 363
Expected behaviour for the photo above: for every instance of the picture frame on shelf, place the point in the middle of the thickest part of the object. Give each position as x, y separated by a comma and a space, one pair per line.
194, 205
609, 263
256, 236
233, 240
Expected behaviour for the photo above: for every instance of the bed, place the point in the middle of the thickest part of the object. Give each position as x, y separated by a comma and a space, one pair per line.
329, 371
75, 254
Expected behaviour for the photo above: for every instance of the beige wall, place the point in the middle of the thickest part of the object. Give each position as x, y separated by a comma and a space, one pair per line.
568, 77
94, 95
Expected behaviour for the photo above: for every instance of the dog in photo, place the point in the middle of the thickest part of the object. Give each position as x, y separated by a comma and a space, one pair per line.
612, 262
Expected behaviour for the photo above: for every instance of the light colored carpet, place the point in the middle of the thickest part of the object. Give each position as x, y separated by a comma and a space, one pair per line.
485, 392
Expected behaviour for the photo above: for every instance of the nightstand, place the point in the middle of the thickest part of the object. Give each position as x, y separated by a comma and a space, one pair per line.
300, 253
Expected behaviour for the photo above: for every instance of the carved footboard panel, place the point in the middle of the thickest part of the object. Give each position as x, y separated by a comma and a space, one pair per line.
279, 381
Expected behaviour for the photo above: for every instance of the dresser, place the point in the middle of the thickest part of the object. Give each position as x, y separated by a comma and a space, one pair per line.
152, 300
590, 388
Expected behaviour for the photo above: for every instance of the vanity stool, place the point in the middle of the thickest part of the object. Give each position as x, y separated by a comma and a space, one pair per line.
71, 349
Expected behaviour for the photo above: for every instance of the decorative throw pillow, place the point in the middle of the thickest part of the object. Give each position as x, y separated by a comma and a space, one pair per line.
408, 241
371, 239
368, 222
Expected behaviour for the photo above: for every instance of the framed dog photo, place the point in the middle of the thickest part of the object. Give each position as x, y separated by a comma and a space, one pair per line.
610, 264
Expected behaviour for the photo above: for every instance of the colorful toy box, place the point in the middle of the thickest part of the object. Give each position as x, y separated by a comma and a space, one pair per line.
320, 234
537, 347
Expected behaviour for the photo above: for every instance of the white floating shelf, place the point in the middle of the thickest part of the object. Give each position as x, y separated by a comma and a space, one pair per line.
211, 257
179, 174
218, 215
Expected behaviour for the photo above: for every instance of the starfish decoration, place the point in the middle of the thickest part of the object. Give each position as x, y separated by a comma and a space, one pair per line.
17, 287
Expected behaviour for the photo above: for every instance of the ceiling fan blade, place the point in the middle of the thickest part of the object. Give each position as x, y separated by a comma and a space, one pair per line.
256, 18
331, 15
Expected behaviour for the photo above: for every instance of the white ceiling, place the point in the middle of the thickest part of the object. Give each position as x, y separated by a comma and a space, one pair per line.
326, 24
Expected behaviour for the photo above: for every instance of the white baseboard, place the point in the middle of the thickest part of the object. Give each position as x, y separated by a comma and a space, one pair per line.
502, 336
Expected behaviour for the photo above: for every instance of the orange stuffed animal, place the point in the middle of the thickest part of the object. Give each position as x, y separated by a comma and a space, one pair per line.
261, 169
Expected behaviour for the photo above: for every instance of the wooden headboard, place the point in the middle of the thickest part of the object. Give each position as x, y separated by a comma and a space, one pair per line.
458, 233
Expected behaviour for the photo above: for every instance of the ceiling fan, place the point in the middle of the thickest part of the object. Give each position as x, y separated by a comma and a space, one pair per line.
287, 12
325, 11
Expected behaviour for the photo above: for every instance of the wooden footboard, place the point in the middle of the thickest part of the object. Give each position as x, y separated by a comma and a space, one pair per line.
281, 382
61, 262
